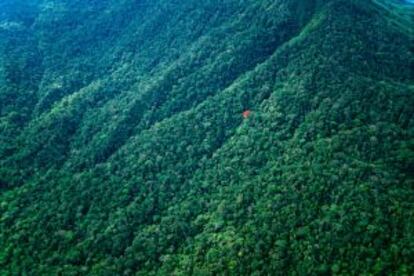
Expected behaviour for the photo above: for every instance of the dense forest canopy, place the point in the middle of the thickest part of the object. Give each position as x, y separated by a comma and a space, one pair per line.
216, 137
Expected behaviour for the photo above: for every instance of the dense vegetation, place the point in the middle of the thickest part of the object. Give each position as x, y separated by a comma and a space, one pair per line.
123, 149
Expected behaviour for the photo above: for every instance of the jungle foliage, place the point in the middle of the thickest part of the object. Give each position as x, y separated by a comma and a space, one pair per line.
123, 149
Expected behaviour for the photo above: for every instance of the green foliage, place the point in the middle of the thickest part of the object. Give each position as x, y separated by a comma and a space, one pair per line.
123, 149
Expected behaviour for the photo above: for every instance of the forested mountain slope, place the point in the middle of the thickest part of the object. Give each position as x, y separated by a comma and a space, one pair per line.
123, 149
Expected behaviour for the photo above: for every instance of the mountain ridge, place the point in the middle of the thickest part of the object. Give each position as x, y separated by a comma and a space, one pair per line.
152, 169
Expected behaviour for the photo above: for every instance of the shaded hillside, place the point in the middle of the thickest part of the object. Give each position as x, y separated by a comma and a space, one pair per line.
124, 149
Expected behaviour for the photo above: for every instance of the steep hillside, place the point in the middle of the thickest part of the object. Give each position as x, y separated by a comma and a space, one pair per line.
123, 149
